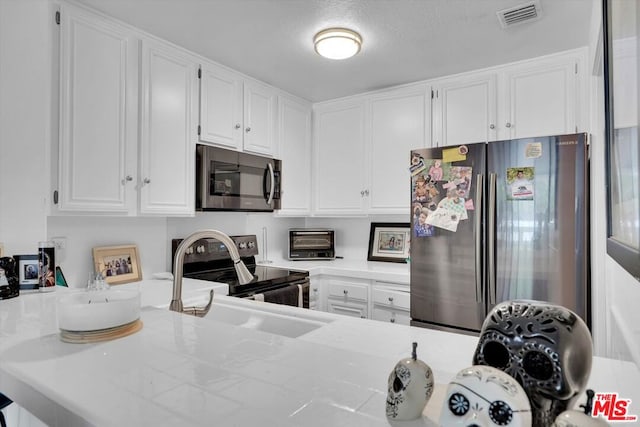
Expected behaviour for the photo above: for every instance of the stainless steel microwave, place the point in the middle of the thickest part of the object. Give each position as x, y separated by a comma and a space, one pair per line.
312, 243
228, 180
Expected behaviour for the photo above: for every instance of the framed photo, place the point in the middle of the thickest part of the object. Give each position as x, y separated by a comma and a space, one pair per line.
118, 264
27, 266
389, 242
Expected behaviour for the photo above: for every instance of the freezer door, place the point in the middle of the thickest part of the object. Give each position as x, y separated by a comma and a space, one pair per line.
446, 266
540, 244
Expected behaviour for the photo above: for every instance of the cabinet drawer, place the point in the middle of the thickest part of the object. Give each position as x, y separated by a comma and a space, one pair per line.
391, 298
383, 314
348, 290
347, 309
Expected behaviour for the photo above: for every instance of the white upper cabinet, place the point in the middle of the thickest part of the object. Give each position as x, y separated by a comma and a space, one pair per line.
236, 113
539, 98
259, 118
294, 130
339, 158
128, 105
362, 148
531, 98
398, 121
168, 126
464, 110
220, 107
98, 107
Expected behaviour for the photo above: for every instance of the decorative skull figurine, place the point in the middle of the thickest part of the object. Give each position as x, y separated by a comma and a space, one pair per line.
546, 348
485, 396
409, 388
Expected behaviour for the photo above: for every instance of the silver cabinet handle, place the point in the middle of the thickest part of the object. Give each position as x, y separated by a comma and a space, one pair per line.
238, 126
392, 320
146, 181
390, 299
366, 192
492, 126
345, 291
126, 179
508, 124
362, 193
247, 129
315, 289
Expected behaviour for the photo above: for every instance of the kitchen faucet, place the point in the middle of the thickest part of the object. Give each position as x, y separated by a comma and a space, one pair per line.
244, 276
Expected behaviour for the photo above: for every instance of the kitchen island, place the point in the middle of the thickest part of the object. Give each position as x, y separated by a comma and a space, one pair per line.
187, 371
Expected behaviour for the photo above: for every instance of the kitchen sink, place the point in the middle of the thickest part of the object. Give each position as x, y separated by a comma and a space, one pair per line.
267, 319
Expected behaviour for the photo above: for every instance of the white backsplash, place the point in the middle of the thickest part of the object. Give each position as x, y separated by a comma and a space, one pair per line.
153, 236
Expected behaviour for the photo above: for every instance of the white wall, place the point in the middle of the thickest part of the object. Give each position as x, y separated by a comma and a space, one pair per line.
25, 97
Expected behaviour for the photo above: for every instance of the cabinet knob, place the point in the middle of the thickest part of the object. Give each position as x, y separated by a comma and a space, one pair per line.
126, 179
315, 289
146, 181
392, 320
363, 317
366, 192
345, 291
362, 193
247, 129
238, 126
508, 124
492, 126
390, 299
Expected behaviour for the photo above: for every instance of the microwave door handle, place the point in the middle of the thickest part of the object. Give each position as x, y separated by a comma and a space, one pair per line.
273, 183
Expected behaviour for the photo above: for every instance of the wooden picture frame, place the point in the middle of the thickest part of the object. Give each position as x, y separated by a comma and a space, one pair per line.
389, 242
118, 264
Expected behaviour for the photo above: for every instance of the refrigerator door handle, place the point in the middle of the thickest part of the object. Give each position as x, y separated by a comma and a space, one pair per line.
491, 238
478, 231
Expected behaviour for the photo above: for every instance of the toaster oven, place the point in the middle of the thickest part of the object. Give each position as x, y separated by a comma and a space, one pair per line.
312, 244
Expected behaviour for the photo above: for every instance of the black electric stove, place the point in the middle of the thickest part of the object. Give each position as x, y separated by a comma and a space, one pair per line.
209, 259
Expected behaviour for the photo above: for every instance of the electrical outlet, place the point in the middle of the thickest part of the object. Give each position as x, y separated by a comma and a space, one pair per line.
59, 242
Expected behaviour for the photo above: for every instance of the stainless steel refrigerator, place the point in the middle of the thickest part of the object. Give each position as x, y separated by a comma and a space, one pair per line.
498, 221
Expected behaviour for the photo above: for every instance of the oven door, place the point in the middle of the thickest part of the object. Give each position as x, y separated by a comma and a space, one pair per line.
295, 293
233, 181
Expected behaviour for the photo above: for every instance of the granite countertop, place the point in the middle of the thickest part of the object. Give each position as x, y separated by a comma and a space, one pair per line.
188, 371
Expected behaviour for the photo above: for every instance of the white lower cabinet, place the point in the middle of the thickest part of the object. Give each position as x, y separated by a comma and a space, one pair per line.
315, 295
390, 303
348, 297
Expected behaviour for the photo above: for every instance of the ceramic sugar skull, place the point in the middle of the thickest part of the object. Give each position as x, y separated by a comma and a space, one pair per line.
546, 348
410, 386
485, 396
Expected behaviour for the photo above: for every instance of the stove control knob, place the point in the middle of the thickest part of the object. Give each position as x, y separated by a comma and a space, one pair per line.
189, 250
242, 245
251, 244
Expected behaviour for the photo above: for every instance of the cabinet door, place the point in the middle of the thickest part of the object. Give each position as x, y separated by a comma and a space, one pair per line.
398, 122
339, 158
98, 110
540, 99
465, 110
220, 107
294, 132
259, 125
167, 152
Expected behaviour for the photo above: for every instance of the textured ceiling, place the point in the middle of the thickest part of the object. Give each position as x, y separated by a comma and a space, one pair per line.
404, 40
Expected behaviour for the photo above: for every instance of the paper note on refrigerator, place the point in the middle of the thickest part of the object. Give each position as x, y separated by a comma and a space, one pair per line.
452, 155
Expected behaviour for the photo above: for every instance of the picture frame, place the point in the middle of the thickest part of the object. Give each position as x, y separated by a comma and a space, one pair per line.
389, 242
118, 264
27, 268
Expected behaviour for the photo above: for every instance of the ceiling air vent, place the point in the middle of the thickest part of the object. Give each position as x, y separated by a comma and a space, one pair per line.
525, 12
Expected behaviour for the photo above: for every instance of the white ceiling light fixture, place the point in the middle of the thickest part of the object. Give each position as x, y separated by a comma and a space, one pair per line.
337, 43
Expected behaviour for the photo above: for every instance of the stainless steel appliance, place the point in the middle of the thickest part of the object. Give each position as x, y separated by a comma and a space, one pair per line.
209, 259
525, 236
312, 244
232, 181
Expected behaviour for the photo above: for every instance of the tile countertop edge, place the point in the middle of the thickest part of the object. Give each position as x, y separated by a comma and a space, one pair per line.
397, 273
